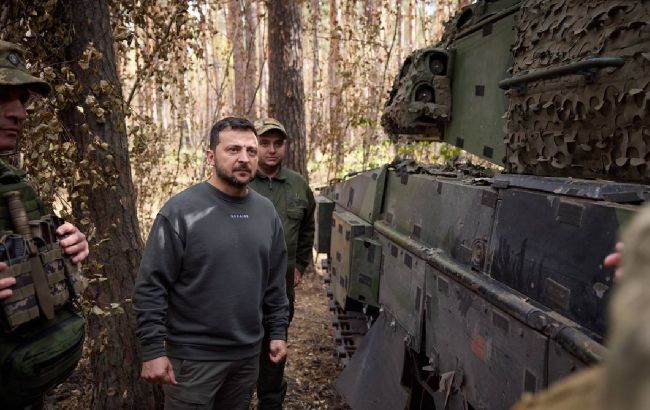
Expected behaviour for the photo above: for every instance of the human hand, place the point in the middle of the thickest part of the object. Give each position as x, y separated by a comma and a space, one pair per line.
277, 350
6, 283
297, 277
613, 260
74, 244
158, 371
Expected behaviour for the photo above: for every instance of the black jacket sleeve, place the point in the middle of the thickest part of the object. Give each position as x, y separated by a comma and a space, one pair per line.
159, 268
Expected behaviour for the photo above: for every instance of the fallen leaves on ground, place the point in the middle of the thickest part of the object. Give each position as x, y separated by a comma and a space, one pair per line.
312, 368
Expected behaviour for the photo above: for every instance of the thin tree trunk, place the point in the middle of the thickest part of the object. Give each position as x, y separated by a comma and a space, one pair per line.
286, 88
335, 129
207, 64
399, 20
372, 24
215, 87
251, 73
409, 18
181, 114
234, 29
315, 114
161, 119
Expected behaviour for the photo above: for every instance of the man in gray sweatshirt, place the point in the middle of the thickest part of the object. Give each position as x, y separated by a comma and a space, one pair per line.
211, 280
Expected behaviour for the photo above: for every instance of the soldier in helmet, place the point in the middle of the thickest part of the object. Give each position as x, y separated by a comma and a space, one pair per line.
17, 86
294, 203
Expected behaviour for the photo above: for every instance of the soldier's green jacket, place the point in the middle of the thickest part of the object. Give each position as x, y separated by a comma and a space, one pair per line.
45, 352
294, 203
13, 179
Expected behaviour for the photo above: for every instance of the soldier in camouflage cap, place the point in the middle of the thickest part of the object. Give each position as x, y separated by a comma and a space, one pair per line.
294, 203
16, 87
13, 71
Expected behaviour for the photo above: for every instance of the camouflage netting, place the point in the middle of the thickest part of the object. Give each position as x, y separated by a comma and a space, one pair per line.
568, 126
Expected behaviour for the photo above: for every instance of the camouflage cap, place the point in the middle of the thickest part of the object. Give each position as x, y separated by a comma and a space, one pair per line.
14, 72
269, 124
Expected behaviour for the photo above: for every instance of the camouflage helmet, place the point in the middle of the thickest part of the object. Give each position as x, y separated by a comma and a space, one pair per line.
14, 72
264, 125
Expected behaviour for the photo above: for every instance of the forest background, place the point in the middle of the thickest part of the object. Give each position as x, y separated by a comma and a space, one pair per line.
139, 83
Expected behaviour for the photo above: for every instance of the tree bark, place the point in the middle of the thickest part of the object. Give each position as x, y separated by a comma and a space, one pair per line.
315, 115
181, 115
374, 91
206, 116
252, 75
234, 29
335, 129
115, 353
399, 21
262, 32
219, 80
286, 87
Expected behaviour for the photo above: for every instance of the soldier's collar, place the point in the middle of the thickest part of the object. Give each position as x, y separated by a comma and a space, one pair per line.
9, 173
280, 176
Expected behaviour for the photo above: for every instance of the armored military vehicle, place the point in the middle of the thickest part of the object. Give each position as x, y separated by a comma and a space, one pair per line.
484, 286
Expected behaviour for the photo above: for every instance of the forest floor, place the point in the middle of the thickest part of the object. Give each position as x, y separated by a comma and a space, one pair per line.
311, 369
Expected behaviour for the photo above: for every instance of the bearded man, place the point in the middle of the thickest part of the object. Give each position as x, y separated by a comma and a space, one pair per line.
212, 281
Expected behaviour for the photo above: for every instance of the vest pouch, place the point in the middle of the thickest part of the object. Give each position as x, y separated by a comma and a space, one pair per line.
22, 306
64, 280
38, 356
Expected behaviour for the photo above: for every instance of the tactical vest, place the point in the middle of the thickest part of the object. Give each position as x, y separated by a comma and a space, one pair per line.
42, 332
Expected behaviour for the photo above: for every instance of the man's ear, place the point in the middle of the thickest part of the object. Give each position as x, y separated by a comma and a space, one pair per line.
209, 155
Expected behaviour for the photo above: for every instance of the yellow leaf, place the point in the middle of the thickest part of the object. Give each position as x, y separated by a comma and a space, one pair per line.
104, 85
96, 310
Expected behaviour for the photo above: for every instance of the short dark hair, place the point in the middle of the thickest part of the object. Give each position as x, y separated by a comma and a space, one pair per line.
235, 123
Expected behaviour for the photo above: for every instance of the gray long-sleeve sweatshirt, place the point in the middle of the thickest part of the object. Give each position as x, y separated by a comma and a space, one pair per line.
212, 274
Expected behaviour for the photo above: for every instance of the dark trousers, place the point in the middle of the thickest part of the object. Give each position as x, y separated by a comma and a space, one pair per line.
211, 385
271, 386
